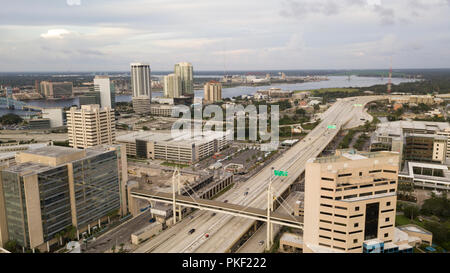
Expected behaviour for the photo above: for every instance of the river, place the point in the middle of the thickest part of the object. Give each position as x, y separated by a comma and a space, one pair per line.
333, 82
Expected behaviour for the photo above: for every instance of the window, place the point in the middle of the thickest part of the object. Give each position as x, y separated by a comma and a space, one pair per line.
326, 197
360, 173
387, 219
327, 179
388, 204
356, 225
386, 235
356, 208
355, 241
345, 174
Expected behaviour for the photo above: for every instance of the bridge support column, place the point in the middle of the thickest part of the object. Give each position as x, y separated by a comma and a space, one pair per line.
174, 204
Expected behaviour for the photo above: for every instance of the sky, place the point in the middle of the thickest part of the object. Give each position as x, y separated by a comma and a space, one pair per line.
108, 35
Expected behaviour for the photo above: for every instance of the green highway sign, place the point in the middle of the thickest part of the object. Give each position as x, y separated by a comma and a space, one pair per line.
280, 173
331, 126
358, 105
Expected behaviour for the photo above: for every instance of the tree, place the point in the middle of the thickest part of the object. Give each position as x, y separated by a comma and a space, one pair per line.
12, 246
411, 211
10, 119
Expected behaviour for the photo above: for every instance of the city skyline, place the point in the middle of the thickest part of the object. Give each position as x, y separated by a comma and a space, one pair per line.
284, 35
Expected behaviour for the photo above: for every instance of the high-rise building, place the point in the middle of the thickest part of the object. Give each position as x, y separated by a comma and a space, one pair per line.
56, 90
106, 88
56, 116
186, 74
53, 188
172, 86
141, 86
91, 125
213, 92
350, 201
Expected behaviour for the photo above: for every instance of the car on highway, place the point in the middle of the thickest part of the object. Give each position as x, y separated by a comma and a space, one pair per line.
246, 193
206, 235
191, 231
226, 201
214, 214
261, 242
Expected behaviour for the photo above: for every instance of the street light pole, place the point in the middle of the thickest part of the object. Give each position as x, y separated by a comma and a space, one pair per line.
269, 199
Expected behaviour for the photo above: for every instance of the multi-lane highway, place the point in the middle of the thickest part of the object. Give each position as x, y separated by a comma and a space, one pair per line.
225, 230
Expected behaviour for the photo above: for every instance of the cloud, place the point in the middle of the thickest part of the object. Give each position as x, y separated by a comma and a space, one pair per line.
73, 2
55, 34
252, 34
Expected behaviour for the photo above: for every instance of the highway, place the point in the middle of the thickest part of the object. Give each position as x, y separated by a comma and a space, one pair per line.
225, 230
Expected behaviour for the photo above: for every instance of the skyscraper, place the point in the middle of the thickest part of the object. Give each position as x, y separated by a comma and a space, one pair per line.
103, 85
172, 86
186, 74
142, 87
55, 90
213, 92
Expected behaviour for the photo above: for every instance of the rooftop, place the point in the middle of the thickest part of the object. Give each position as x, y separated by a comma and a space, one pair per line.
179, 139
396, 128
414, 228
52, 151
352, 155
293, 238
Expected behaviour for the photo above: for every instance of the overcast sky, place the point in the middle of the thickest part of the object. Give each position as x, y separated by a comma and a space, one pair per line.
93, 35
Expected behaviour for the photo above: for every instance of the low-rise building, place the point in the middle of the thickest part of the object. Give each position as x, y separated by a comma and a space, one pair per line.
425, 176
184, 148
39, 124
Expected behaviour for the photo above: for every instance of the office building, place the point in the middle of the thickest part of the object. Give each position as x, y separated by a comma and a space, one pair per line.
213, 92
350, 199
141, 86
39, 123
414, 140
172, 86
91, 125
54, 187
55, 115
186, 74
184, 149
89, 98
162, 110
56, 90
105, 87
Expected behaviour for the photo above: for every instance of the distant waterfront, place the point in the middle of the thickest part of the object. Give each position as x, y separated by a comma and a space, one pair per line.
333, 82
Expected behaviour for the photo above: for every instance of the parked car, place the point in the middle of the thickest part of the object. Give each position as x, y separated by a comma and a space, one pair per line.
191, 231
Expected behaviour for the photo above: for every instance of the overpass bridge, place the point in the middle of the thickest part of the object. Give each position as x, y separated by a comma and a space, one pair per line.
221, 207
10, 103
226, 231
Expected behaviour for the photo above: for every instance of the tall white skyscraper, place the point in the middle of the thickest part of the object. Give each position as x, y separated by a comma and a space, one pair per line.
185, 72
142, 87
103, 85
172, 86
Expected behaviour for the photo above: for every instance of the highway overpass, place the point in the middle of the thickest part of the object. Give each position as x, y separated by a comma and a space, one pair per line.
226, 231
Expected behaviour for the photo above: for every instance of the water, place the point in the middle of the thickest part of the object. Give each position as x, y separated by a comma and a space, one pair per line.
333, 82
